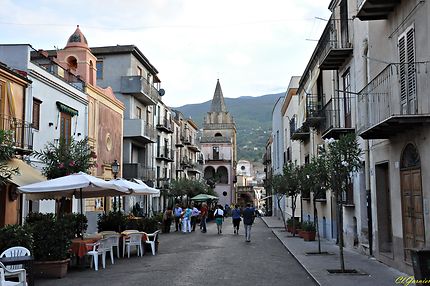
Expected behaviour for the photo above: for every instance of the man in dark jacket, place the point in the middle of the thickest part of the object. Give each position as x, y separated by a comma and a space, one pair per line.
248, 219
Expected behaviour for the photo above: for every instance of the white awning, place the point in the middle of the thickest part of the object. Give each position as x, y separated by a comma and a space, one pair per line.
27, 174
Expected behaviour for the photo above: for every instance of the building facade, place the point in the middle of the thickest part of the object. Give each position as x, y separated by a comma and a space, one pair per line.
218, 145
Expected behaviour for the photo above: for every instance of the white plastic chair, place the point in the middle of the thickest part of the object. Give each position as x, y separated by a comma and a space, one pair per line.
99, 248
134, 239
20, 273
15, 251
114, 241
151, 239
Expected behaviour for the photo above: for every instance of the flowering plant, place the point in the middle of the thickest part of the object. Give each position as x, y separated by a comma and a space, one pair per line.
66, 157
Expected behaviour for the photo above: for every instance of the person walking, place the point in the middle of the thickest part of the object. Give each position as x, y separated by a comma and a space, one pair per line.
235, 215
203, 217
167, 220
219, 218
177, 212
194, 215
186, 220
248, 220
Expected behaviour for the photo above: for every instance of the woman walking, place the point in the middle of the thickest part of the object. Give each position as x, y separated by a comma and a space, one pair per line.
235, 215
219, 218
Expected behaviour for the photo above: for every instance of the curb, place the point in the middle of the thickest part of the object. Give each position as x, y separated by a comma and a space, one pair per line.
292, 254
295, 257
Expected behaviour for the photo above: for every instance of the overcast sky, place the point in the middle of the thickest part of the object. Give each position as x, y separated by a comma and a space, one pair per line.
253, 47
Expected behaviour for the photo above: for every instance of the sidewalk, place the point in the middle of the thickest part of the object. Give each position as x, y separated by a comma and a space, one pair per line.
372, 272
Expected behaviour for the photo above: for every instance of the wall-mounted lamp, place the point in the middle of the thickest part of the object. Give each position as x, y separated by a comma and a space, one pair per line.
51, 124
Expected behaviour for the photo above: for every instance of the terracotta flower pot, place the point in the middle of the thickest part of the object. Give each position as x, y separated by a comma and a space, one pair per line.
50, 269
308, 235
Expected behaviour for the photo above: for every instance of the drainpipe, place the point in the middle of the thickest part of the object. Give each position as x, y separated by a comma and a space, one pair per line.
367, 158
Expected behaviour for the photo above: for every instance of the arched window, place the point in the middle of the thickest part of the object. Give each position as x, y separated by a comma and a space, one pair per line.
209, 172
218, 134
72, 62
410, 157
222, 175
91, 72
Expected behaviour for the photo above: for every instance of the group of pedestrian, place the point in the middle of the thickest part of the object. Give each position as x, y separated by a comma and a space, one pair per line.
186, 218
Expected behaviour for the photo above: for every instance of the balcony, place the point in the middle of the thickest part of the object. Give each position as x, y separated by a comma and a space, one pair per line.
369, 10
194, 147
387, 107
334, 49
138, 86
165, 125
138, 130
217, 157
22, 133
138, 171
301, 133
215, 139
164, 153
333, 126
314, 114
179, 141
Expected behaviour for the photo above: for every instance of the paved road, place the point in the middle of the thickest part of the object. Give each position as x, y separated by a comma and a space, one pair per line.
201, 259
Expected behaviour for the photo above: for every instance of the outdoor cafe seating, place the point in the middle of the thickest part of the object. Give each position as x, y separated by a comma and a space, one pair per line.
5, 272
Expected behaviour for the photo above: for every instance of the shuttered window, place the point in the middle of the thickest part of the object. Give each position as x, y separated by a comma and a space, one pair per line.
36, 113
407, 72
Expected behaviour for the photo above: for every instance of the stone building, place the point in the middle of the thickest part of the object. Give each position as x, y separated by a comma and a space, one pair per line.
218, 145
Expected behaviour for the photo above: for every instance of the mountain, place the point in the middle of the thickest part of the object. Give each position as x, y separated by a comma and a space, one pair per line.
253, 117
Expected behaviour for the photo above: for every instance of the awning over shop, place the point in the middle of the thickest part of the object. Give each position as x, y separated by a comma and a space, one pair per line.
27, 174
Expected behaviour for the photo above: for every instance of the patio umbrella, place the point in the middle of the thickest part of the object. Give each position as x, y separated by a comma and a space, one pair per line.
132, 187
147, 189
203, 198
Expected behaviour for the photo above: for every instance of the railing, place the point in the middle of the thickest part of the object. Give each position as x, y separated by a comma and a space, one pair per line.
139, 84
359, 3
313, 106
332, 117
216, 126
22, 131
213, 139
328, 39
164, 152
138, 171
217, 157
381, 98
164, 122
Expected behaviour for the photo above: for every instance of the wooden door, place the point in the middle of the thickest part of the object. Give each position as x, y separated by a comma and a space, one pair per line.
412, 210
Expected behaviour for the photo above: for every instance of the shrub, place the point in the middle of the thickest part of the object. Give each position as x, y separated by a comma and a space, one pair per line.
76, 221
114, 221
52, 236
15, 235
308, 226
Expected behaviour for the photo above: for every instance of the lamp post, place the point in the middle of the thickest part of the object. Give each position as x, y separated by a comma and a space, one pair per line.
115, 171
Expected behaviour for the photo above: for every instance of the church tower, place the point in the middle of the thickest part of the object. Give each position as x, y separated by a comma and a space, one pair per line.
77, 57
218, 143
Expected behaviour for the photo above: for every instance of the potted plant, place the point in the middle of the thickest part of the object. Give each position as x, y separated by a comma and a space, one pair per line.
290, 225
15, 235
52, 238
308, 231
114, 221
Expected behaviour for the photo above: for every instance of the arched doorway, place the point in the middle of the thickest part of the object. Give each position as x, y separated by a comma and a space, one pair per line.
412, 200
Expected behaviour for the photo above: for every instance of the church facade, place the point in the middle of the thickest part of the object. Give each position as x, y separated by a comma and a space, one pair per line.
218, 145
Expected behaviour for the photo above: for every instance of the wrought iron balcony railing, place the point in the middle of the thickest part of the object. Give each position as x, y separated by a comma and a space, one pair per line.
22, 132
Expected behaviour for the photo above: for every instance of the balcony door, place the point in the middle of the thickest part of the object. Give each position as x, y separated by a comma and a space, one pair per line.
65, 126
412, 201
347, 99
407, 71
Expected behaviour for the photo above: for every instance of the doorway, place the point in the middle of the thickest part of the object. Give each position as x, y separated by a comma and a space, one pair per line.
412, 200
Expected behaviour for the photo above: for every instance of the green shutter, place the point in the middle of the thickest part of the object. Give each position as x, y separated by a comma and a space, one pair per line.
67, 109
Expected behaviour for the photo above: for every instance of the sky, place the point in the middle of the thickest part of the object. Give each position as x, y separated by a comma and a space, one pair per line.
252, 47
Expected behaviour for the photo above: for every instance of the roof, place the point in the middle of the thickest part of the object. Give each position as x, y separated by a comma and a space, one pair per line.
77, 39
218, 104
126, 49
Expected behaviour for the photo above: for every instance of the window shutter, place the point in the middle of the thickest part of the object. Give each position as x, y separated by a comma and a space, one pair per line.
412, 76
402, 57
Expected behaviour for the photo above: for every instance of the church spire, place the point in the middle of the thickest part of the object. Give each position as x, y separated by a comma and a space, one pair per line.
218, 104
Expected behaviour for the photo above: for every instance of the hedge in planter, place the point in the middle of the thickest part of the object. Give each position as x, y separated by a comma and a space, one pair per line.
52, 238
308, 231
15, 235
114, 221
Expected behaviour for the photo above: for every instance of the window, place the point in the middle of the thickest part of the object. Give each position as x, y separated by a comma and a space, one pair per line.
99, 66
138, 112
139, 71
65, 126
36, 113
72, 63
92, 73
347, 98
408, 76
215, 151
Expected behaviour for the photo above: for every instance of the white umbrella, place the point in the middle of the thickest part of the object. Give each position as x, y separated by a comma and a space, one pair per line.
80, 185
147, 189
130, 186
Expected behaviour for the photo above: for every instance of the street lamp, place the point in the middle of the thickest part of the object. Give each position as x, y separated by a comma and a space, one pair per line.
115, 168
115, 171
